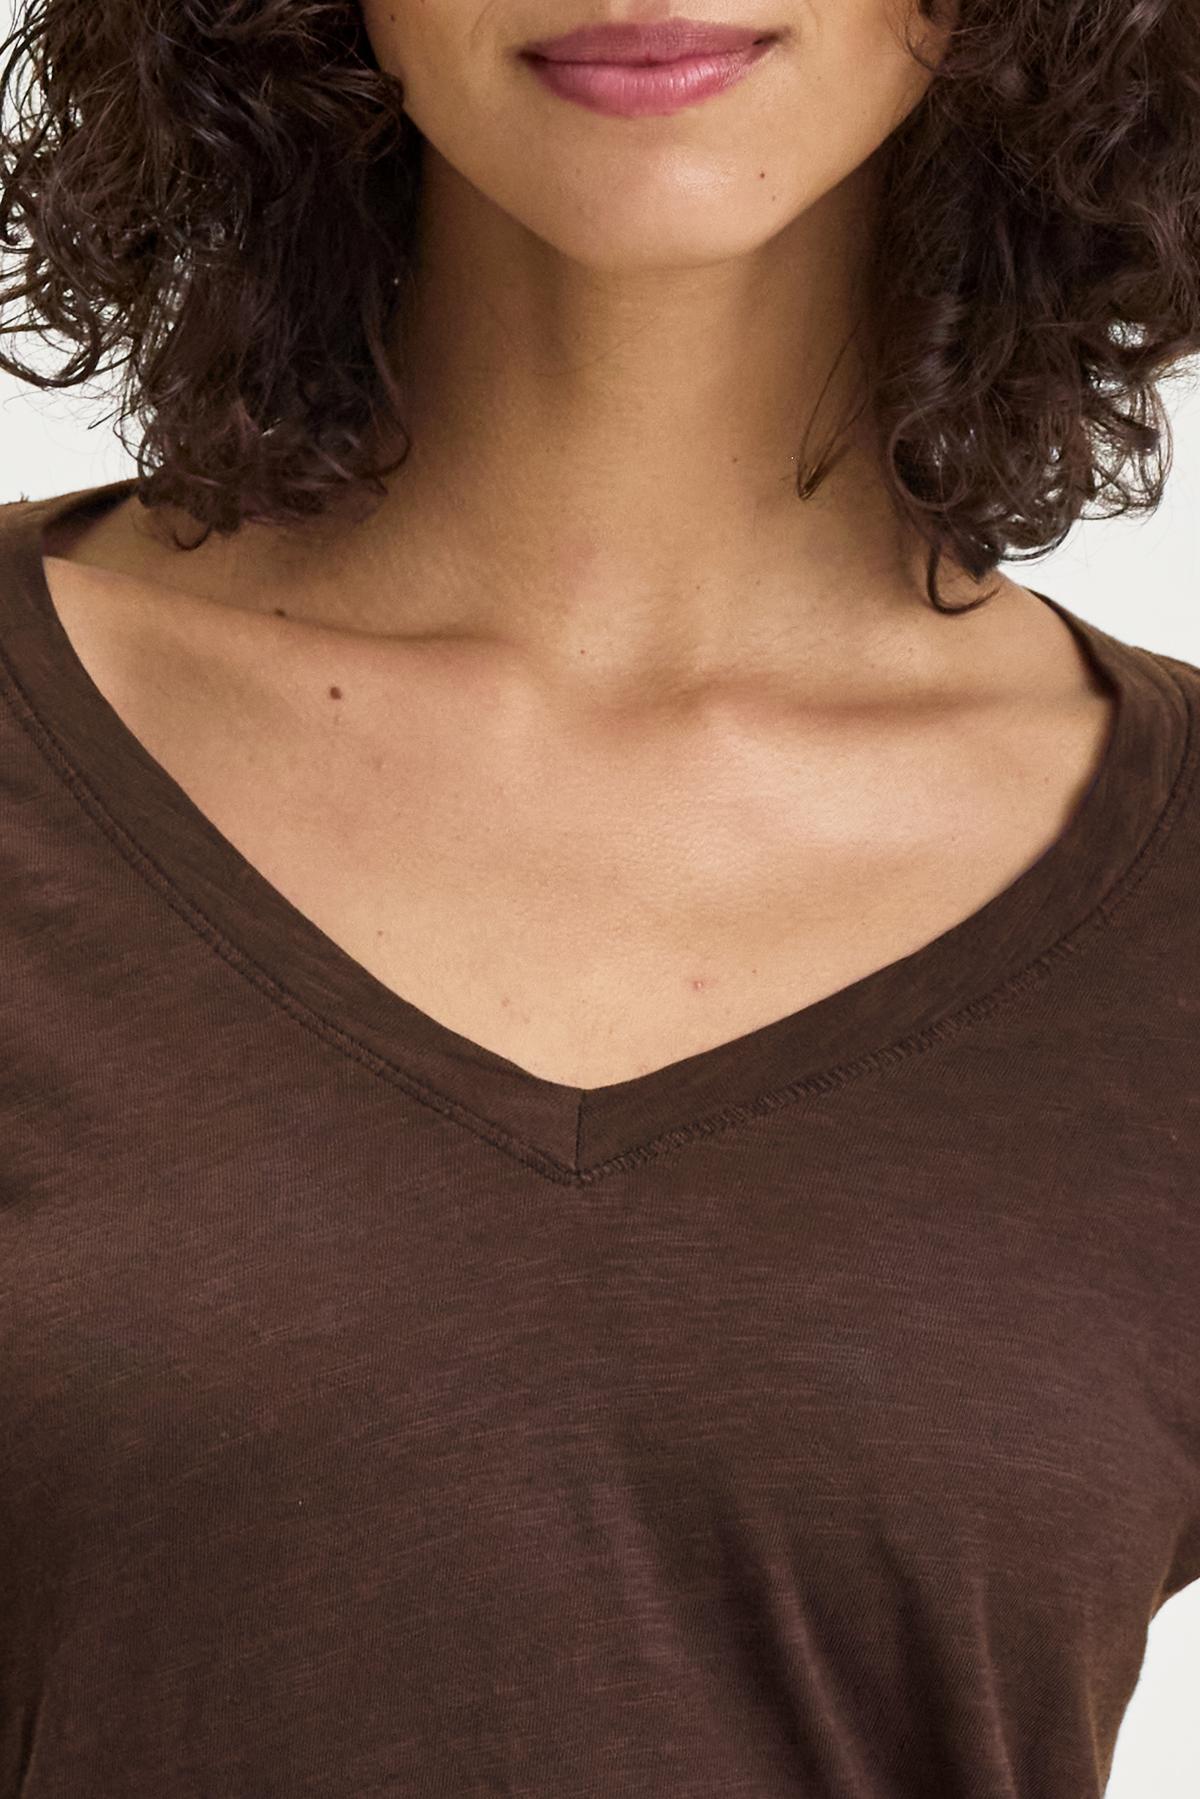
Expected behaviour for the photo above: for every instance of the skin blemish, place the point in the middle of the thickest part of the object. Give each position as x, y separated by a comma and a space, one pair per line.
279, 612
335, 693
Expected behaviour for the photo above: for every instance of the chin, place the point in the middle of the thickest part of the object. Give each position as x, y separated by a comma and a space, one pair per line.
615, 235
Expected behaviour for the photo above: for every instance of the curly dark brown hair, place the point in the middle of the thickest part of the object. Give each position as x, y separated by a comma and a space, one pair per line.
223, 194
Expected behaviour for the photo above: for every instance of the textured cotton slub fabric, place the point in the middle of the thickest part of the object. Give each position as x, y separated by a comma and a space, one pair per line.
817, 1417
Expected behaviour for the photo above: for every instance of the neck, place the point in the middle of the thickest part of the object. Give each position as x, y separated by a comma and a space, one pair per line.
603, 466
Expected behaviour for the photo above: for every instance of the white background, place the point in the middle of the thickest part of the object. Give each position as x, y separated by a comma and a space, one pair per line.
1138, 578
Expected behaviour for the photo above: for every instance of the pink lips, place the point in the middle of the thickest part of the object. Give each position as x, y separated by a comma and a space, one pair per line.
632, 70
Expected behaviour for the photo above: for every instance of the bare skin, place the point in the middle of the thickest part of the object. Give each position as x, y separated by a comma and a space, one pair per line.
592, 740
592, 884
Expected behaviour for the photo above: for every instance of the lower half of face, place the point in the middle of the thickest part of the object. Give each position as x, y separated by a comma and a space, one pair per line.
621, 162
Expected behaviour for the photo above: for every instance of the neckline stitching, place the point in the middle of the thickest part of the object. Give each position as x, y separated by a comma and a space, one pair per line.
136, 856
883, 1059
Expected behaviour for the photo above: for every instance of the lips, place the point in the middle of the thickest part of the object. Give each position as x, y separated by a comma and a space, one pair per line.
670, 41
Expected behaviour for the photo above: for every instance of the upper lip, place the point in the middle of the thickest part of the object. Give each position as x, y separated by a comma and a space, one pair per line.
665, 42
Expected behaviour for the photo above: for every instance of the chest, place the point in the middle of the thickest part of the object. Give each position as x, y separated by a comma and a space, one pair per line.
592, 904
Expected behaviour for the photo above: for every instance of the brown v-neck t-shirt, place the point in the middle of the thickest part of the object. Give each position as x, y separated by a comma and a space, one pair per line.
816, 1416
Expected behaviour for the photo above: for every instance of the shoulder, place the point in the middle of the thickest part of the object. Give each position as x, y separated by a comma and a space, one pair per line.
15, 513
1186, 673
26, 513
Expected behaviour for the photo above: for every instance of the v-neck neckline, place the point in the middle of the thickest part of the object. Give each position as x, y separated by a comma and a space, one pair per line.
571, 1133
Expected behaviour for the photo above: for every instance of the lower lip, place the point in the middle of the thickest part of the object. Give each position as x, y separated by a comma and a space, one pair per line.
632, 90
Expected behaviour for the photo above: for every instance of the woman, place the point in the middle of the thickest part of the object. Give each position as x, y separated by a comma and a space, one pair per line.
599, 1112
